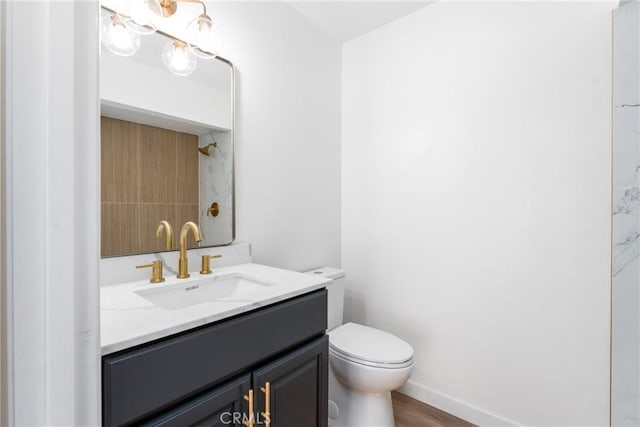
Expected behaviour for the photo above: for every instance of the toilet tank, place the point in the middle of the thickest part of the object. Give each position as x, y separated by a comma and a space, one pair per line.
335, 294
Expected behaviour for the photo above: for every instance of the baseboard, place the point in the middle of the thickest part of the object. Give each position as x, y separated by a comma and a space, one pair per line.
454, 406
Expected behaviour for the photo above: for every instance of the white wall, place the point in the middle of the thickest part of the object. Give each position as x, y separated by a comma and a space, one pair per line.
287, 133
51, 250
475, 204
3, 334
179, 97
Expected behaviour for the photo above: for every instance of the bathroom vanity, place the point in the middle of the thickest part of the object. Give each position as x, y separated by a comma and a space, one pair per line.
214, 361
244, 345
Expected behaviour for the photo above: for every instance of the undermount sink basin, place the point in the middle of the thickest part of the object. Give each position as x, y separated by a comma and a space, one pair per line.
232, 287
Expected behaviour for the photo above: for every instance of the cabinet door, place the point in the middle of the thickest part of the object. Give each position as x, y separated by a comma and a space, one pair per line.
222, 406
297, 385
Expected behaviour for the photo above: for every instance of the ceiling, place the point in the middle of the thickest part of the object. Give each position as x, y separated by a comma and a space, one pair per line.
345, 20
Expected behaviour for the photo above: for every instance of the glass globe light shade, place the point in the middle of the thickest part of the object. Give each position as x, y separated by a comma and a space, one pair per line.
142, 18
202, 39
178, 58
117, 38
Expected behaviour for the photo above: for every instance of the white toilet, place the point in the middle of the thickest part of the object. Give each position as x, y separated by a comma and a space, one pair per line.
365, 365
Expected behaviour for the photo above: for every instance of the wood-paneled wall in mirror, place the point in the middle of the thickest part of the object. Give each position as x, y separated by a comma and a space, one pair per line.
149, 174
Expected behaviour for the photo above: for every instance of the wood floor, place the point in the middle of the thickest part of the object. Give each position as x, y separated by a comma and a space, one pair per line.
409, 412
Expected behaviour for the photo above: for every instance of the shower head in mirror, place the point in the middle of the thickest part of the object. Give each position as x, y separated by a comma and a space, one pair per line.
205, 150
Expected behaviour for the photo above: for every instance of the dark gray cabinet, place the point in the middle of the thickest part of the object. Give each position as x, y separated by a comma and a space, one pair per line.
203, 377
223, 406
297, 387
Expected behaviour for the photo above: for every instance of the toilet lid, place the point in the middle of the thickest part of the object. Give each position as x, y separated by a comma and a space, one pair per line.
369, 344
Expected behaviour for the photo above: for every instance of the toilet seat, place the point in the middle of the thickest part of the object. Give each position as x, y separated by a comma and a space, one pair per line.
369, 346
336, 353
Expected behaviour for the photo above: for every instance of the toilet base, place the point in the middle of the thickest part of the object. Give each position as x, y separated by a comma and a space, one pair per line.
352, 408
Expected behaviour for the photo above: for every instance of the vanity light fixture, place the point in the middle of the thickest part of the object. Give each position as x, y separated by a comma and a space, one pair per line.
120, 33
117, 37
178, 58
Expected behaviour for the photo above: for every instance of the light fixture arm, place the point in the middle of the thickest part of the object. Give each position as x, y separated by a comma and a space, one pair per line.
122, 16
117, 19
166, 8
203, 4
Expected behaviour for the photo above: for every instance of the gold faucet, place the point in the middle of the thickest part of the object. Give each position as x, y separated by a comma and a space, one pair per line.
183, 261
164, 225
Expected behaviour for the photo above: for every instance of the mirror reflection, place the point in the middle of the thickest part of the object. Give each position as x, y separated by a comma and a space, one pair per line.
166, 151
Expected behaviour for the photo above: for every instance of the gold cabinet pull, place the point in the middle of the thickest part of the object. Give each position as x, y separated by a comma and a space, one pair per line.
205, 268
249, 399
266, 415
156, 272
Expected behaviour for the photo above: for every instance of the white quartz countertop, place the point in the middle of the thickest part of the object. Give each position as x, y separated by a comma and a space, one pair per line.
128, 319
